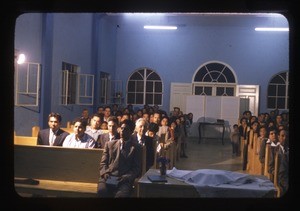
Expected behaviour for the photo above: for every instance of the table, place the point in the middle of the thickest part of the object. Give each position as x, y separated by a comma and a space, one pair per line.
171, 189
203, 124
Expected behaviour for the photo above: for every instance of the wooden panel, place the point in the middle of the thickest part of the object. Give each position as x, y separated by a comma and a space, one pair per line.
67, 129
267, 158
35, 131
57, 163
52, 188
25, 140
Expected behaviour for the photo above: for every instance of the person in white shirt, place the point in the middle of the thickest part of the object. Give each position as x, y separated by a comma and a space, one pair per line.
79, 139
94, 128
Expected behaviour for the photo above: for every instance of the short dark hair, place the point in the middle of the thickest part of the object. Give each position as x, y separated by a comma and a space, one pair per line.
153, 127
56, 115
78, 119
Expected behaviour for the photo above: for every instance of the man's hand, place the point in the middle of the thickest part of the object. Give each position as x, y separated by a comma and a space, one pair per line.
106, 176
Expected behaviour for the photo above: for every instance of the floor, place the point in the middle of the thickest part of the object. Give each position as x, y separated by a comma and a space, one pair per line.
209, 154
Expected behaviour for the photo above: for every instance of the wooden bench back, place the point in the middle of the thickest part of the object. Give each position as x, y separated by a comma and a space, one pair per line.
67, 129
25, 140
35, 130
57, 163
267, 160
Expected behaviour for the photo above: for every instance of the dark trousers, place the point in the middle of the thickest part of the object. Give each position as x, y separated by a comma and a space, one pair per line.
235, 148
123, 190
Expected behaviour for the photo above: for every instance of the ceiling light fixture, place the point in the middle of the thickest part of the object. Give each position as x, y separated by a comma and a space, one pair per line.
271, 29
160, 27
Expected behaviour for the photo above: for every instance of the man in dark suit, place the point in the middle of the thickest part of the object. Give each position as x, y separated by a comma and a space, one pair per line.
139, 137
121, 159
52, 136
112, 132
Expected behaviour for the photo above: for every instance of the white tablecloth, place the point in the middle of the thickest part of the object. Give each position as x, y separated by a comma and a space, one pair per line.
224, 184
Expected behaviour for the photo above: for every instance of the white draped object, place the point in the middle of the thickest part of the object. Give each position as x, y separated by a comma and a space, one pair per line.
224, 184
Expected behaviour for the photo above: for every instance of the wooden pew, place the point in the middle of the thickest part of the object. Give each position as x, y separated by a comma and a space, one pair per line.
56, 171
25, 140
34, 131
51, 171
250, 152
267, 158
276, 169
258, 167
68, 129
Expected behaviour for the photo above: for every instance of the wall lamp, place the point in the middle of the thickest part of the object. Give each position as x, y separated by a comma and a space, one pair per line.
160, 27
19, 57
272, 29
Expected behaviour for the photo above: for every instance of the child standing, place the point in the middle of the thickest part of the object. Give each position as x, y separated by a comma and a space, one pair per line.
235, 139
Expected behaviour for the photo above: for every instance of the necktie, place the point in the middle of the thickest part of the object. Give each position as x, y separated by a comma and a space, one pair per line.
123, 151
52, 138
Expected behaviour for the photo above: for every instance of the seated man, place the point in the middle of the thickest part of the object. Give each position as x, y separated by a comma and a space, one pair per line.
112, 132
121, 159
52, 136
79, 139
94, 128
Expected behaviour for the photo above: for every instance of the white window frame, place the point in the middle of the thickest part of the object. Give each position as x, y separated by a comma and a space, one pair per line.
84, 90
28, 92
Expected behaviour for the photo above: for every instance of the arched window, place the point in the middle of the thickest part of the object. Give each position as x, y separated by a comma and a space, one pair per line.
278, 91
215, 79
144, 87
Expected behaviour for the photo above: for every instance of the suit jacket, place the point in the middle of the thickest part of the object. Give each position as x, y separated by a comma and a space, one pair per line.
115, 163
43, 137
103, 138
149, 144
283, 170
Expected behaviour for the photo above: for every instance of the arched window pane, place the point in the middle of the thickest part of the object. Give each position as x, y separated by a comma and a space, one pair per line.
139, 99
281, 90
158, 87
149, 86
218, 74
143, 87
131, 98
149, 99
136, 76
278, 91
153, 76
198, 90
272, 90
281, 103
271, 102
220, 91
131, 86
157, 99
230, 91
139, 86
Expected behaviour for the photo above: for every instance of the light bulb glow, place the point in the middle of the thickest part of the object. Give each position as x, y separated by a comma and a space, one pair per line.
21, 58
271, 29
160, 27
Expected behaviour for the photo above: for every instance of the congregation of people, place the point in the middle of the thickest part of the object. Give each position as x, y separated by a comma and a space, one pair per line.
258, 132
121, 133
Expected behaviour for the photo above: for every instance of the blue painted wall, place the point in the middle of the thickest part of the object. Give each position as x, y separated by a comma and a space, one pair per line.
119, 46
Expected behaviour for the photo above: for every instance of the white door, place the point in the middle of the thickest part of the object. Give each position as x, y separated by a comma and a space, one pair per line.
179, 92
251, 93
